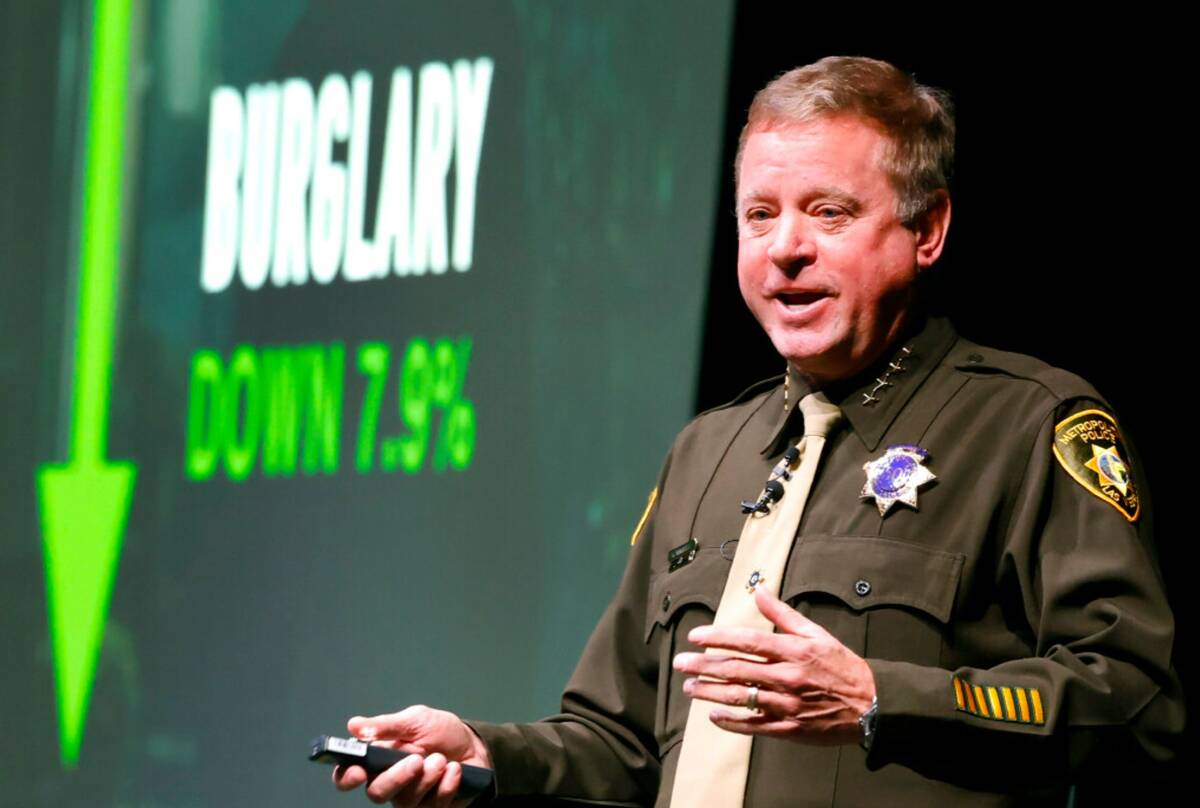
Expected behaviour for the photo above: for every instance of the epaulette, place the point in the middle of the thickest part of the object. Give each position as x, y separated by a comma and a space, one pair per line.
750, 392
1063, 385
1087, 441
764, 387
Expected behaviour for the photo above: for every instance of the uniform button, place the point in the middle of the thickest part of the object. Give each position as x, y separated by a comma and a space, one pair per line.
975, 358
666, 601
862, 587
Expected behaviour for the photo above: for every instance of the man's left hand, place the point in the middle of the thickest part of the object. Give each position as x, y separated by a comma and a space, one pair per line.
811, 688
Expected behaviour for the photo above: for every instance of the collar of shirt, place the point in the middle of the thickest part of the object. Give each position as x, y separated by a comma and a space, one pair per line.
890, 387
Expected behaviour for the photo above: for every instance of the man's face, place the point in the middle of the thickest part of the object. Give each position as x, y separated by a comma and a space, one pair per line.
823, 262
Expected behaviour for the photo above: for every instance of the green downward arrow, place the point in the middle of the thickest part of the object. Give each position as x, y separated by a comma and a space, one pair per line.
84, 502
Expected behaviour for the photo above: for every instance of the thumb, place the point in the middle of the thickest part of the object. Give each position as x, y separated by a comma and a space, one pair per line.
404, 725
785, 618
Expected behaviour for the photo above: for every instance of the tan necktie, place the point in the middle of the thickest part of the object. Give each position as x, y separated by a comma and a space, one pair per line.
714, 763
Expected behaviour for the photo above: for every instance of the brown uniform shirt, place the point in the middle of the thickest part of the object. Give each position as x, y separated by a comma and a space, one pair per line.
1015, 621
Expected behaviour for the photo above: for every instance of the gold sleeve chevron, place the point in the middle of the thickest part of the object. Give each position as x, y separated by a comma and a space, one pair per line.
1016, 705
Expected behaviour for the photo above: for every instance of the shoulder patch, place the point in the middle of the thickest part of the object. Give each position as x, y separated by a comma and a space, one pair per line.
1088, 446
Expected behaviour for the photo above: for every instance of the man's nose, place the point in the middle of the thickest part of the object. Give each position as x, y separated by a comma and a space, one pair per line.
792, 246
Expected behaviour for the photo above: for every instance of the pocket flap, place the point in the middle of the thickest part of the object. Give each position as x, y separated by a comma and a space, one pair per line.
700, 581
869, 571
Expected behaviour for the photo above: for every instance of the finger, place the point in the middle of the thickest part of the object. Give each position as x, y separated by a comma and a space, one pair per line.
774, 675
394, 780
813, 732
361, 728
762, 644
447, 789
347, 778
405, 724
768, 702
752, 725
787, 619
434, 768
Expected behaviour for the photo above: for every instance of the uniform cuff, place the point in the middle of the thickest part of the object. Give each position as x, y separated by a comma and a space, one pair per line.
515, 769
909, 696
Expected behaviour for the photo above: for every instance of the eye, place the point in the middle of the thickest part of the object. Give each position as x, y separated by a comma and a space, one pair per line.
831, 216
755, 220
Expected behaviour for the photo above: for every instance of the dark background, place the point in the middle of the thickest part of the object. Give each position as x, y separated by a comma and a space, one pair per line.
1070, 235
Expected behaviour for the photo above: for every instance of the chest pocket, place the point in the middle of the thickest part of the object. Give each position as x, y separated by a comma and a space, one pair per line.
882, 598
678, 602
900, 594
699, 582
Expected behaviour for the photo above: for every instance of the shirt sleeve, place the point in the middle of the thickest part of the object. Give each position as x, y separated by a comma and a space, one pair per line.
1098, 697
600, 749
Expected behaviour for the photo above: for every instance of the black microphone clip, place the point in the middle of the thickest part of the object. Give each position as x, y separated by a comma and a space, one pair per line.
772, 492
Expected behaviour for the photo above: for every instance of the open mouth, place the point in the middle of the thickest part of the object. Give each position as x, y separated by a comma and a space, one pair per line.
800, 298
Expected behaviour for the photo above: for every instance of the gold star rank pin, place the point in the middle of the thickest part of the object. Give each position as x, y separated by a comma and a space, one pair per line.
1088, 446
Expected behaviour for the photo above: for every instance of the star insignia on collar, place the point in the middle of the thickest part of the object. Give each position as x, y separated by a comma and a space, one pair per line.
896, 476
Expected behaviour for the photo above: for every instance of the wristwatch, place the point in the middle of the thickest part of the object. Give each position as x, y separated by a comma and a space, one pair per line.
867, 721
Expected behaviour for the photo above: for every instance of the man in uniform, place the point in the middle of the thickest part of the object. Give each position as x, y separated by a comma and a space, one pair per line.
928, 561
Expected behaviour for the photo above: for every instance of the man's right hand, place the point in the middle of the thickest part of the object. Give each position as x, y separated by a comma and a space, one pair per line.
440, 743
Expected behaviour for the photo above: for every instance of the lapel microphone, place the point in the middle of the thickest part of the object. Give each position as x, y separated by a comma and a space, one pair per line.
773, 490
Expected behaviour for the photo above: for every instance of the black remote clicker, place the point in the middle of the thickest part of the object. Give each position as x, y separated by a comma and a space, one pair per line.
373, 758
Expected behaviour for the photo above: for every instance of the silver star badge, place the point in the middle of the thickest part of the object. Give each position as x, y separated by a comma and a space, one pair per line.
896, 476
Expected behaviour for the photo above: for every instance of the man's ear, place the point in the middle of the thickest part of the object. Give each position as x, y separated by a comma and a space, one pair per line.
931, 228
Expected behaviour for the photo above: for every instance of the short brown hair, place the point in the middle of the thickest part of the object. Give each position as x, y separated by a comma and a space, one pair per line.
918, 120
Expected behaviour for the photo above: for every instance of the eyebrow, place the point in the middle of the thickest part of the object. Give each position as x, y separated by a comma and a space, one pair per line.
844, 198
